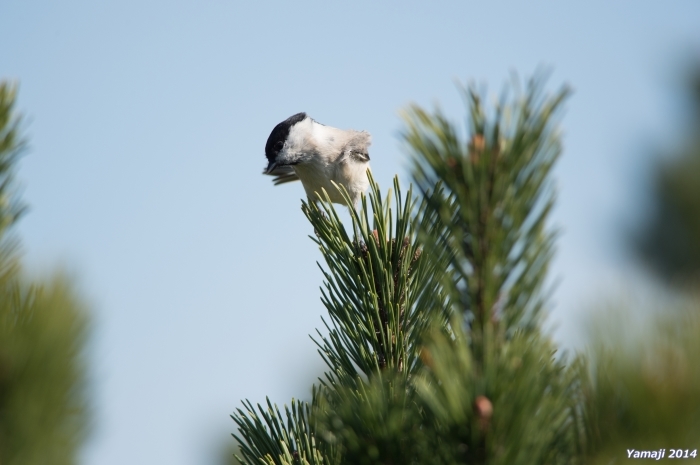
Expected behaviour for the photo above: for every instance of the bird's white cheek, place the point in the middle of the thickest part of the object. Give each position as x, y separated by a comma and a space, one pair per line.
286, 156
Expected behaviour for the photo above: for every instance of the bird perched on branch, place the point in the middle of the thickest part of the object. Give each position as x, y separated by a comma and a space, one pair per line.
300, 148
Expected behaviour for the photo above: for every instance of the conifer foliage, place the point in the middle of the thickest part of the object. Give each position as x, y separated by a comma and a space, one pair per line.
669, 242
43, 327
435, 351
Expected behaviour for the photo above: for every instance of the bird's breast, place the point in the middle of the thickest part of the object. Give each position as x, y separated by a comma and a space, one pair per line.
316, 178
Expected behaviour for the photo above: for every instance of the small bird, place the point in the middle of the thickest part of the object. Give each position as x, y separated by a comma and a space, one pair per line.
300, 148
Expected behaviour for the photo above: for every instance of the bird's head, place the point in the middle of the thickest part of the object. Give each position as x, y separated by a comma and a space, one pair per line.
290, 142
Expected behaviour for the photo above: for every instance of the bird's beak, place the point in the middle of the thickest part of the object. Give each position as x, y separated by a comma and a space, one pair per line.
271, 166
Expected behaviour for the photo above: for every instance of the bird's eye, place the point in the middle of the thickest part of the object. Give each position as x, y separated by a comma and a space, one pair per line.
279, 145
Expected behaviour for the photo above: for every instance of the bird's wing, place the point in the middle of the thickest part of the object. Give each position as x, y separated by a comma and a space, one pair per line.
357, 146
282, 174
360, 155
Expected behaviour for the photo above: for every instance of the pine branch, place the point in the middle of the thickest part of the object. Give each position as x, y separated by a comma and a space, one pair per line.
376, 422
44, 414
495, 390
380, 291
265, 439
497, 201
381, 294
11, 146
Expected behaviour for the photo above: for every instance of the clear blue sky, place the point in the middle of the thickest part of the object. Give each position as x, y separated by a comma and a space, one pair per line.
147, 122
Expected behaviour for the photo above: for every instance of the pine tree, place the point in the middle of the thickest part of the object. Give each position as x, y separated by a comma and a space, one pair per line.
435, 350
42, 334
670, 240
645, 385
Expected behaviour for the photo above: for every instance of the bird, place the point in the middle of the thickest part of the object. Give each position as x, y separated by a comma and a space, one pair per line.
300, 148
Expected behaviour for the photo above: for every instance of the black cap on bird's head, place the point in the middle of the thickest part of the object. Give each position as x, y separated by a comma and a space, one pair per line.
278, 136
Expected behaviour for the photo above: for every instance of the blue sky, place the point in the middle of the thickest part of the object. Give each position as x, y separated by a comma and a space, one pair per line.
147, 122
